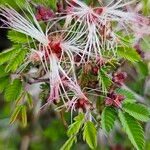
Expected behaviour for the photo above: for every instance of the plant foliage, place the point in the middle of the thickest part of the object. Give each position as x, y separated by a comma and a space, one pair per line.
108, 119
133, 129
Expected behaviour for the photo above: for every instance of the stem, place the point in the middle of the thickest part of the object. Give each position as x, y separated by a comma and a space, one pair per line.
63, 119
37, 81
25, 142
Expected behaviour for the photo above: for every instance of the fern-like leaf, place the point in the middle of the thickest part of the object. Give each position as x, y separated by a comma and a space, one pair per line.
2, 72
138, 111
7, 55
68, 144
90, 134
24, 115
129, 97
14, 64
129, 54
133, 129
75, 127
15, 114
29, 100
13, 91
108, 119
104, 79
17, 37
4, 82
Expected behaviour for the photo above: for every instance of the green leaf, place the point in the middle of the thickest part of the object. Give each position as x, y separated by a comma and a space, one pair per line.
53, 4
142, 69
15, 114
129, 54
17, 37
126, 93
90, 134
80, 117
29, 100
13, 91
14, 57
133, 130
104, 79
138, 111
68, 144
129, 97
2, 72
108, 119
7, 55
75, 127
16, 61
4, 82
146, 8
24, 116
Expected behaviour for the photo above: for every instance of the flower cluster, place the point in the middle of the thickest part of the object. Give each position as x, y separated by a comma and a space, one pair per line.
77, 42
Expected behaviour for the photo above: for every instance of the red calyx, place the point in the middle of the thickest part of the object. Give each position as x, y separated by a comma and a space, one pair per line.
53, 47
95, 70
56, 47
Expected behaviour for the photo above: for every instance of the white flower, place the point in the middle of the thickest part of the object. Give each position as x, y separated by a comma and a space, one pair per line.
95, 24
55, 54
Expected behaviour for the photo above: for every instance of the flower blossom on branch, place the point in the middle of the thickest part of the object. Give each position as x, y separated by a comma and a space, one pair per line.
55, 53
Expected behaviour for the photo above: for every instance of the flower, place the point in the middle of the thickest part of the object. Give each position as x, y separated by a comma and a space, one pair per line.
55, 52
95, 23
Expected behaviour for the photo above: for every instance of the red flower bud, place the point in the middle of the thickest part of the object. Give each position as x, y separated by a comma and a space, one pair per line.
95, 70
83, 104
119, 78
114, 100
60, 8
38, 17
44, 13
77, 58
